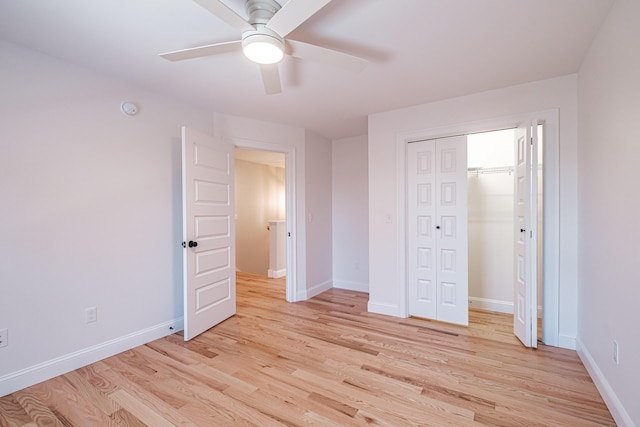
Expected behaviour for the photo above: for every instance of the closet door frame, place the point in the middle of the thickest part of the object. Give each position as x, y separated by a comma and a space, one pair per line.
550, 304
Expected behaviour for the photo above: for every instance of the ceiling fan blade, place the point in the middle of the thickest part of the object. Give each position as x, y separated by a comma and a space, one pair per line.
294, 13
200, 51
270, 78
312, 52
228, 15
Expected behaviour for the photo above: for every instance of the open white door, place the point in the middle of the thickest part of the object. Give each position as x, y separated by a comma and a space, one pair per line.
208, 232
437, 229
525, 316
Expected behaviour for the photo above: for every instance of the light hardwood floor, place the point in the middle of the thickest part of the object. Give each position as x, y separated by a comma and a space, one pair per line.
321, 362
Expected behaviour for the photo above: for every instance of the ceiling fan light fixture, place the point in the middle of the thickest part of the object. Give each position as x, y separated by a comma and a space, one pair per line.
263, 48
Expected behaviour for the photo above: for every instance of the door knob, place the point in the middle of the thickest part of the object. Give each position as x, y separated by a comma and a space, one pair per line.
522, 230
437, 227
192, 244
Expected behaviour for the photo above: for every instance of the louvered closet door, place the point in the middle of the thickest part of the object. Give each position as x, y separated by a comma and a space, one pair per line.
437, 228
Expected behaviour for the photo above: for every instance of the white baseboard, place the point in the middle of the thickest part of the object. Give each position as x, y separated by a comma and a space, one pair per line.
565, 341
495, 305
276, 274
386, 309
23, 378
314, 290
351, 286
491, 305
620, 415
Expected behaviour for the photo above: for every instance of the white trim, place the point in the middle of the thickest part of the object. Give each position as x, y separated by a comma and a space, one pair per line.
565, 341
276, 274
314, 290
551, 153
384, 308
498, 306
491, 305
610, 398
352, 286
61, 365
293, 240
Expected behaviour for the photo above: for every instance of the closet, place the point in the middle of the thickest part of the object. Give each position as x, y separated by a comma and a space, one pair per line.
491, 178
437, 229
475, 227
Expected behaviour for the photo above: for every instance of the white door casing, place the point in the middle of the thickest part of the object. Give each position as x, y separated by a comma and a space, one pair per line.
525, 233
208, 231
437, 227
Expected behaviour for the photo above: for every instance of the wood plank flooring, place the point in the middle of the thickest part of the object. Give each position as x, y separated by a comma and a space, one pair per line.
322, 362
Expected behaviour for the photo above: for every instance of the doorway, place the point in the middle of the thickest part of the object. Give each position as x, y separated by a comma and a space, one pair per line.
289, 153
260, 201
491, 221
551, 212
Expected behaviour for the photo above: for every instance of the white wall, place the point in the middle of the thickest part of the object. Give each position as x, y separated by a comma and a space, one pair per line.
350, 214
90, 209
91, 212
385, 235
259, 198
318, 213
609, 207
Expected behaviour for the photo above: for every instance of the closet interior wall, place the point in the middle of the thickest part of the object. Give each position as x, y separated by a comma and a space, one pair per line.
490, 158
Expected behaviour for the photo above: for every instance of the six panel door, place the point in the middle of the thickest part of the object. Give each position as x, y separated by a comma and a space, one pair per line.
437, 229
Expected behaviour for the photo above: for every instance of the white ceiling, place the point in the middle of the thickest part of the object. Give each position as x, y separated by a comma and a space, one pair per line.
419, 51
269, 158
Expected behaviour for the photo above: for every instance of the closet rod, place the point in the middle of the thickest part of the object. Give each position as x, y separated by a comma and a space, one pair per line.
461, 134
480, 171
500, 169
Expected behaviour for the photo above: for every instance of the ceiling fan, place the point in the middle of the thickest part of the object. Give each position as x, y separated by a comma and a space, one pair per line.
263, 38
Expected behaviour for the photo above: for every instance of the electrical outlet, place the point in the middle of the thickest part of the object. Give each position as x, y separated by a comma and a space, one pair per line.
616, 352
90, 314
4, 337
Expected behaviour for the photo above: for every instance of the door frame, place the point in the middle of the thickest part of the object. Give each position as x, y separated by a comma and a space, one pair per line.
290, 203
551, 197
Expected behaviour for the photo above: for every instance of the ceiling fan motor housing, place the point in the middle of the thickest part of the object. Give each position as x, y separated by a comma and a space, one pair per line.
261, 11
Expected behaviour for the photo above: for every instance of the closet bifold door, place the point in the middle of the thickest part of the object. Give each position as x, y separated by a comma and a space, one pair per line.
421, 231
437, 268
525, 319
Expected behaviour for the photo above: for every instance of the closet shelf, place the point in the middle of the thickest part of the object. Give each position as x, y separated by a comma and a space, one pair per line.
480, 171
